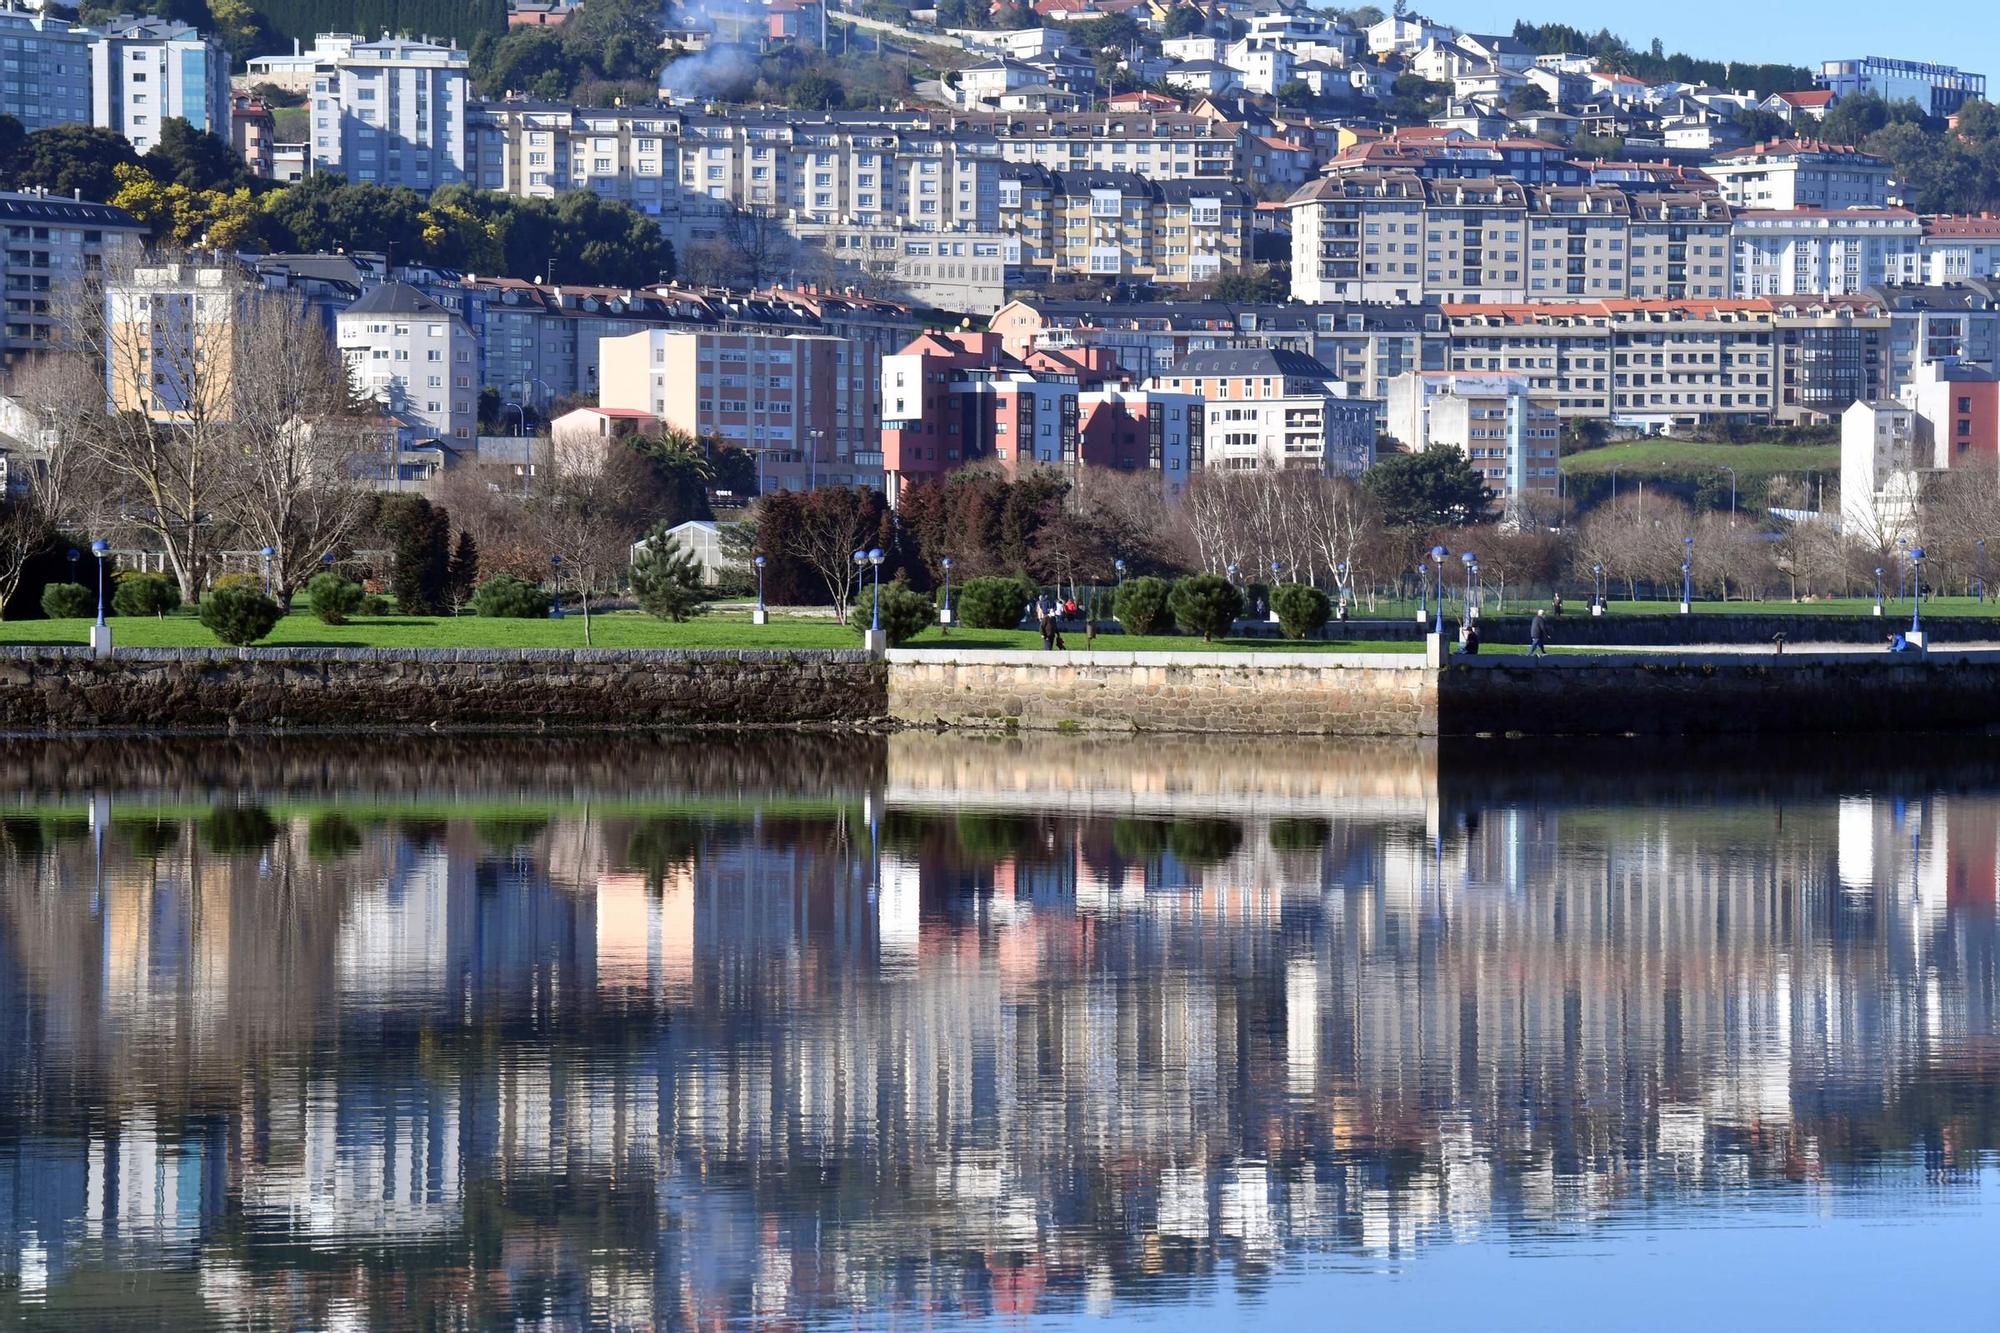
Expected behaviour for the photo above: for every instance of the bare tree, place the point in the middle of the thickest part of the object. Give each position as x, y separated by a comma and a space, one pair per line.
585, 515
298, 445
159, 436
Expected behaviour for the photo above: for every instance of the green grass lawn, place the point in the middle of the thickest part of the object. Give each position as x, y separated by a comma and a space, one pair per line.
1681, 458
618, 629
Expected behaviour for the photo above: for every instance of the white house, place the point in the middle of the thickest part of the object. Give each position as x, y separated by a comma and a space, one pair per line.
1879, 463
413, 356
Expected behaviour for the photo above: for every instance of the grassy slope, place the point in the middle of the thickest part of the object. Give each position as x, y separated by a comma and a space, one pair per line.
1663, 458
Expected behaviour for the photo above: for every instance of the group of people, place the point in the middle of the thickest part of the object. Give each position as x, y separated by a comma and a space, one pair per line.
1538, 636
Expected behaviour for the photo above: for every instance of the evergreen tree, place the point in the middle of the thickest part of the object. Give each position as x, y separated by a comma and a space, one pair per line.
666, 579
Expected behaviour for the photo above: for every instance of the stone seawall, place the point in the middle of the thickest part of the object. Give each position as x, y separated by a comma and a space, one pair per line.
1692, 694
54, 689
1288, 694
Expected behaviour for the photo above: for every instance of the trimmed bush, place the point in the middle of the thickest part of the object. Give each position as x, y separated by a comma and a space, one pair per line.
238, 615
1141, 605
1302, 609
141, 594
68, 601
993, 603
333, 598
237, 581
504, 597
1206, 604
905, 614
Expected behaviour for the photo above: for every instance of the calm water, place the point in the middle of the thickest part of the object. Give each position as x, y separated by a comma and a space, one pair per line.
929, 1031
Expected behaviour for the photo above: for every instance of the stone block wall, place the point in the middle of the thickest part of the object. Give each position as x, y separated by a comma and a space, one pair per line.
54, 689
1289, 694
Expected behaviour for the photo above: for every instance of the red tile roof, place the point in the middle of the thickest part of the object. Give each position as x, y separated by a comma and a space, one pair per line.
1820, 98
1981, 226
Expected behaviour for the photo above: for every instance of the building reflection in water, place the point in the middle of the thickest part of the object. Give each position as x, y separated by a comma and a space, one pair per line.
959, 1028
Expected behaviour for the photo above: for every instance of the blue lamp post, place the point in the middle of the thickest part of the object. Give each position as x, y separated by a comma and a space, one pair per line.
1423, 592
1234, 570
1878, 590
100, 548
1340, 580
1469, 560
1438, 553
1917, 588
946, 618
1687, 577
875, 559
1117, 568
266, 554
759, 562
1596, 588
555, 571
860, 574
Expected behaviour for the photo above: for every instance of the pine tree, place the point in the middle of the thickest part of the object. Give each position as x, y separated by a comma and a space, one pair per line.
666, 578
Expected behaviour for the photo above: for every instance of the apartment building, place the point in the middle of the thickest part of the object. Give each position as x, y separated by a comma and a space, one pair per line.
253, 132
147, 71
388, 112
1141, 430
1823, 252
1801, 173
1432, 153
1960, 249
1364, 346
1511, 436
942, 401
1880, 456
44, 68
1957, 406
51, 243
170, 335
1111, 225
1272, 408
963, 271
413, 356
1955, 322
1397, 237
774, 395
1663, 364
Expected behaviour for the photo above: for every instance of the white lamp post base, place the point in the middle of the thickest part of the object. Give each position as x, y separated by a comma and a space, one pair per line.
876, 641
100, 640
1684, 608
944, 615
760, 616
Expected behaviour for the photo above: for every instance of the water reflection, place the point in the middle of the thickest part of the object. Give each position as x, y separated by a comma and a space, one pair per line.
797, 1029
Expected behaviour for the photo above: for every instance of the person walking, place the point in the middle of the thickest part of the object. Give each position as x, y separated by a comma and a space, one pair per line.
1538, 635
1048, 623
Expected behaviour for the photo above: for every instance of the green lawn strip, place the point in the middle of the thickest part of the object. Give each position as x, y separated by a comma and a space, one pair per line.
619, 629
373, 809
1662, 458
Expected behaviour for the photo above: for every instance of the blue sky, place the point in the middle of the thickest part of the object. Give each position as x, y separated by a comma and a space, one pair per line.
1952, 32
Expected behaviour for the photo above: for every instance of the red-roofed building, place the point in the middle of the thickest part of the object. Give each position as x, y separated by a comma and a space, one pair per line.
1800, 107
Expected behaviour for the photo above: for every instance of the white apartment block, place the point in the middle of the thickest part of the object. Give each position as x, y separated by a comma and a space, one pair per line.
1316, 431
413, 356
389, 112
1961, 249
44, 69
1510, 436
1801, 173
147, 71
1824, 252
1880, 456
1394, 237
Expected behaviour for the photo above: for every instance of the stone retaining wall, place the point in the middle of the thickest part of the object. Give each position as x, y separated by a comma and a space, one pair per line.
56, 689
1290, 694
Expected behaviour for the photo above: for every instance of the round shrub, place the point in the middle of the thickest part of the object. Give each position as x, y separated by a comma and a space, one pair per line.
905, 613
1302, 609
333, 598
504, 597
1141, 605
68, 601
238, 581
239, 615
1206, 604
145, 595
992, 603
